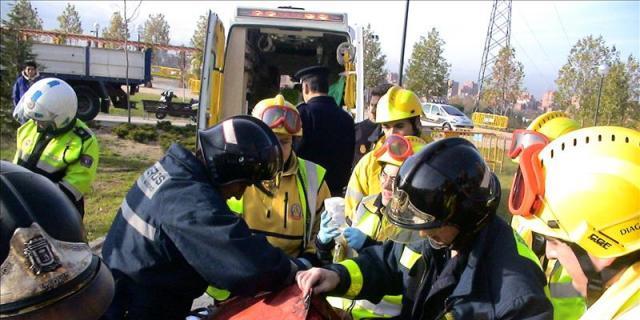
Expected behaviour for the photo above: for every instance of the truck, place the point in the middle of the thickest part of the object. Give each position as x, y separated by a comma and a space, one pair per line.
96, 74
264, 49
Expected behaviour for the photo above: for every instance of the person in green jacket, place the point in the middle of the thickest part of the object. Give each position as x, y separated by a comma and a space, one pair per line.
54, 143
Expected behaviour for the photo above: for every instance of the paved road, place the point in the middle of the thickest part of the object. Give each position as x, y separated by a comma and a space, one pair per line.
110, 120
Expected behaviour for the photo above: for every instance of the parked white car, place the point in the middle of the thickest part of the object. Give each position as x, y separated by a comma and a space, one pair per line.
444, 116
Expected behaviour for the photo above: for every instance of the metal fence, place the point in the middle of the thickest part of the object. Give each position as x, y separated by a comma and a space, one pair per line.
492, 146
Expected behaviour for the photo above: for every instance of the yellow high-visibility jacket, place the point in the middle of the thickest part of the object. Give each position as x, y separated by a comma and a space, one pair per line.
69, 159
621, 300
292, 222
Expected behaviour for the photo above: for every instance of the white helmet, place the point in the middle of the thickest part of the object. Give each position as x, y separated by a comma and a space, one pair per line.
51, 102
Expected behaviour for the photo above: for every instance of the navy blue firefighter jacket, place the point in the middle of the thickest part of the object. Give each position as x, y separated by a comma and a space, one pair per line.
174, 235
496, 279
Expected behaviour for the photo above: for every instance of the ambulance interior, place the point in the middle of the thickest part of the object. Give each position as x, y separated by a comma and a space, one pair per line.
271, 58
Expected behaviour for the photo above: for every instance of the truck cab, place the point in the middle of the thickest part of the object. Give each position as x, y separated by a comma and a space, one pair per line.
265, 48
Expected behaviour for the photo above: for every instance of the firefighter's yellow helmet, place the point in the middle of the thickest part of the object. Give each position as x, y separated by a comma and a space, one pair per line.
398, 104
280, 115
592, 191
553, 124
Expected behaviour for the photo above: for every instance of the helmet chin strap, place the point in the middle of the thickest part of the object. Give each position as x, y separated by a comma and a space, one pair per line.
597, 280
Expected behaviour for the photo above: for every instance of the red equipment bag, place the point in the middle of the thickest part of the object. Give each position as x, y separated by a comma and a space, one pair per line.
286, 304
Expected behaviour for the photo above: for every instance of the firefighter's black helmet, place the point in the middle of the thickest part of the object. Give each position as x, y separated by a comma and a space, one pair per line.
447, 182
48, 270
240, 149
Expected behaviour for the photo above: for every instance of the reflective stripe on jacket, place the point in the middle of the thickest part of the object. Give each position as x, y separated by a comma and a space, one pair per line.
500, 280
621, 300
567, 302
69, 159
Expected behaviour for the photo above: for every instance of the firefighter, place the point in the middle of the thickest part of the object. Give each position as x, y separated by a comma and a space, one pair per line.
398, 112
370, 227
174, 234
368, 132
54, 142
567, 302
289, 218
48, 269
471, 264
581, 191
328, 130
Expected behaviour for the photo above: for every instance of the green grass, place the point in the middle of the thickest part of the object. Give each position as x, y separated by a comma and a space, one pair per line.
7, 148
116, 175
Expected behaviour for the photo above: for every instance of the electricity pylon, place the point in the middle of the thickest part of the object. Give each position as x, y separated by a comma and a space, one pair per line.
498, 37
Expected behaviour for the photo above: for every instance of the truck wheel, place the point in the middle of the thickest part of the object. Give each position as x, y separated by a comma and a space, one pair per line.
88, 103
160, 115
446, 127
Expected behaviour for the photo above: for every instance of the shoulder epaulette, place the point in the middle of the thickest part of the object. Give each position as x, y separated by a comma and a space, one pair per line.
83, 133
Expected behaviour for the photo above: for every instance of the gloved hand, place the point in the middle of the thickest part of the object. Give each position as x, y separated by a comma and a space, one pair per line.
355, 238
327, 231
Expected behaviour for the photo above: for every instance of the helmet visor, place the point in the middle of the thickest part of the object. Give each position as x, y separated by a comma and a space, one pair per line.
522, 139
279, 116
402, 213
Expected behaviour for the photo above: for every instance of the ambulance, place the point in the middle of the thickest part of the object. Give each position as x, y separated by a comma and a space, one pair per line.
264, 49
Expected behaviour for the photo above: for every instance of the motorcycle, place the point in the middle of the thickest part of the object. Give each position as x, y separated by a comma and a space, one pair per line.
166, 106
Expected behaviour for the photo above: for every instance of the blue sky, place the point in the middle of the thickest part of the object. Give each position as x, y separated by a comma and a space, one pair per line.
537, 35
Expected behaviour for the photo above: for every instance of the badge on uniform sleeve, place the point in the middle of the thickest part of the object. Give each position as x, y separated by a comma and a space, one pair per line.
295, 211
86, 160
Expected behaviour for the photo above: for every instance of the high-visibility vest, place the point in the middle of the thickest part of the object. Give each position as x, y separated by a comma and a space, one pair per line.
369, 222
567, 302
309, 178
69, 159
621, 301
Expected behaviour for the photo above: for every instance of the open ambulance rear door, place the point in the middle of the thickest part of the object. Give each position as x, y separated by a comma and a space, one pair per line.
211, 76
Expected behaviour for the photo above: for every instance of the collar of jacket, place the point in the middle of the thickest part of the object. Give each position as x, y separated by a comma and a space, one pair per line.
376, 134
291, 165
24, 75
478, 249
322, 99
188, 161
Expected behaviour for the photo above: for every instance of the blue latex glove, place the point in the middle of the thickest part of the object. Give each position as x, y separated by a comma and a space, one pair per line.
327, 231
355, 238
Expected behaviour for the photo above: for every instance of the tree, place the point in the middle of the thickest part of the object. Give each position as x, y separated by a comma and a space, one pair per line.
579, 84
374, 60
197, 41
428, 70
156, 31
505, 85
69, 20
116, 29
16, 50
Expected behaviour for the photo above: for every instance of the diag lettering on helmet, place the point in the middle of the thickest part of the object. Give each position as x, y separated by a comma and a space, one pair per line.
151, 180
601, 242
629, 229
